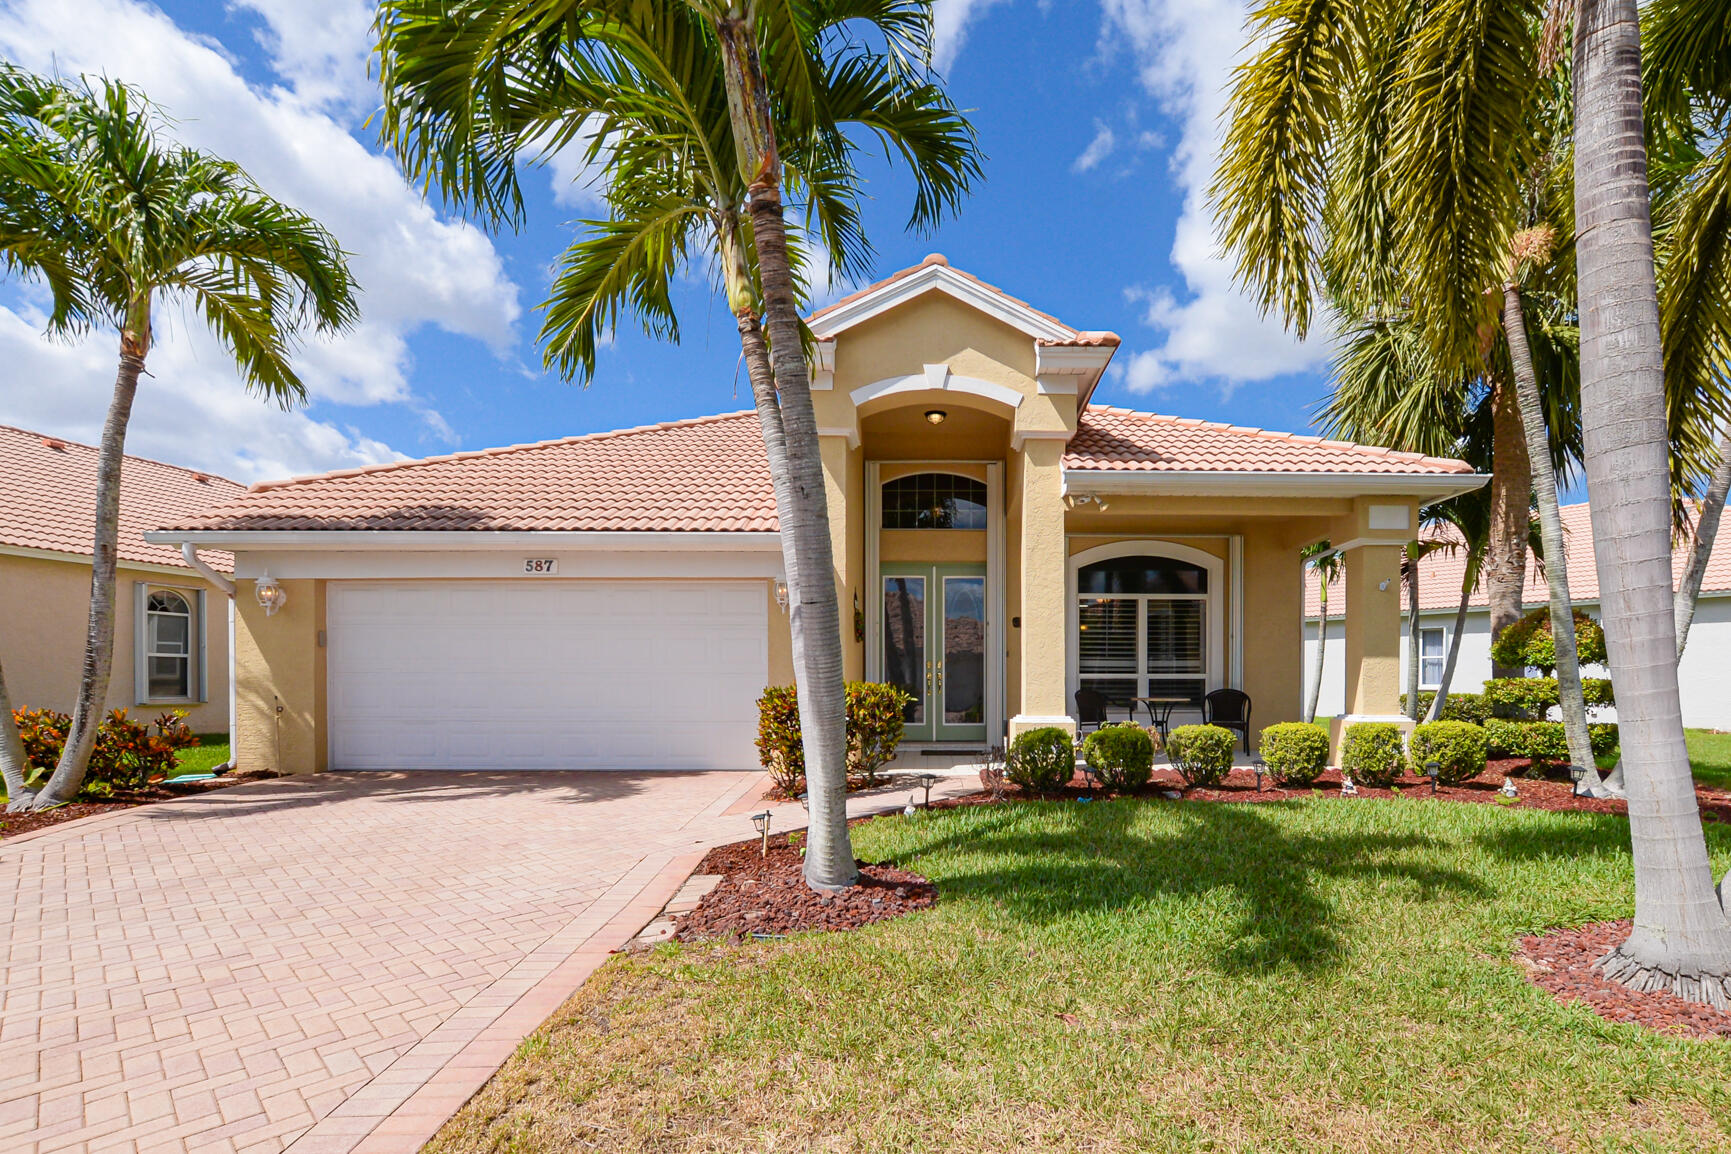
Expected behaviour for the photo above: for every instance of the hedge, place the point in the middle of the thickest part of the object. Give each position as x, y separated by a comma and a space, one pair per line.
1296, 753
1459, 748
1121, 756
1459, 706
1529, 698
1544, 740
1202, 754
1042, 760
1372, 752
874, 730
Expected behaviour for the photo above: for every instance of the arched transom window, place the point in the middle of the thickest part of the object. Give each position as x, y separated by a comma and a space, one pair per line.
1143, 628
934, 501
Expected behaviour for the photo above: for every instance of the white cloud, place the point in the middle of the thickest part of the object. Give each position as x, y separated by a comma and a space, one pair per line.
1105, 140
950, 21
1184, 52
413, 267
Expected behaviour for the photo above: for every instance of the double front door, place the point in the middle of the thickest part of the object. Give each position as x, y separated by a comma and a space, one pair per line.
934, 647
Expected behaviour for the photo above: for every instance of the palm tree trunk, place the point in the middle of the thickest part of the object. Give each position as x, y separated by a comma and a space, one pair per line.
1570, 699
87, 708
1321, 652
1706, 529
1505, 566
1681, 941
1412, 633
13, 768
814, 614
1448, 673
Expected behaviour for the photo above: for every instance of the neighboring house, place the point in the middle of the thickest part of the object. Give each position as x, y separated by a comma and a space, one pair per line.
171, 626
1705, 672
617, 601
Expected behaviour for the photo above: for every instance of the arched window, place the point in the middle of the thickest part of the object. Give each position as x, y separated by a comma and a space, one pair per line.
168, 645
934, 501
1142, 624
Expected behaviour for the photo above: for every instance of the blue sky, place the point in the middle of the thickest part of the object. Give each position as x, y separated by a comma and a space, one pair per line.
1098, 120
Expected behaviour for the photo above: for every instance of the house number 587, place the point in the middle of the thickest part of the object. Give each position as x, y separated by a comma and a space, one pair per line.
541, 566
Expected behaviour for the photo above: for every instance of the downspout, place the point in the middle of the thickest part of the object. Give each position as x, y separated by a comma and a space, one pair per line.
189, 551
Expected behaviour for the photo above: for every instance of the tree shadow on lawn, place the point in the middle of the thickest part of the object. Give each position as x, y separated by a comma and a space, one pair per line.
1095, 862
1574, 835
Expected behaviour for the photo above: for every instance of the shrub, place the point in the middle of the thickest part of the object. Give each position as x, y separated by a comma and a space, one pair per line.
1537, 740
1202, 754
1603, 736
1458, 747
1122, 756
1469, 707
1528, 644
1042, 760
1530, 698
1372, 752
874, 730
1296, 752
127, 754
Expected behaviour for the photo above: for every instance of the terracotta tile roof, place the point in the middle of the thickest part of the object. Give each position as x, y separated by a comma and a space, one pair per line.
1440, 573
48, 499
1085, 340
708, 474
1116, 439
940, 259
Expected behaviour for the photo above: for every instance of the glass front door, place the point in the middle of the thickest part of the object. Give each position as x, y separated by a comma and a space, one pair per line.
934, 647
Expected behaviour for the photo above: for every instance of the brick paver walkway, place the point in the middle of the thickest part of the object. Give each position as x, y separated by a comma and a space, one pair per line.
324, 964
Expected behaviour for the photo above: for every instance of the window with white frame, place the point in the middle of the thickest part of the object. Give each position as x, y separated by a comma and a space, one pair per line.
169, 633
1431, 645
1142, 629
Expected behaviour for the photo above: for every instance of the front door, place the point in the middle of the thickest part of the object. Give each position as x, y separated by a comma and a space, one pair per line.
935, 648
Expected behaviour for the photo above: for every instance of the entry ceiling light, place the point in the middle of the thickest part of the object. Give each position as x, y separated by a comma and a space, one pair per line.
935, 416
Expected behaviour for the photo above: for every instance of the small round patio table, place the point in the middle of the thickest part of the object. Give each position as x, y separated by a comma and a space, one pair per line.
1160, 711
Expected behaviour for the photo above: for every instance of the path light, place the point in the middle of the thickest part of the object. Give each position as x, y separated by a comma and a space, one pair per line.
1261, 767
760, 822
1577, 774
1433, 770
928, 780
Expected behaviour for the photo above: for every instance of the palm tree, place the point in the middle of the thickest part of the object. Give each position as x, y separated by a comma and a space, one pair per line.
114, 219
1322, 557
1681, 939
676, 102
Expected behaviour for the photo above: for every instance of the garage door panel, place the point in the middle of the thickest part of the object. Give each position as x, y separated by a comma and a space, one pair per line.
545, 674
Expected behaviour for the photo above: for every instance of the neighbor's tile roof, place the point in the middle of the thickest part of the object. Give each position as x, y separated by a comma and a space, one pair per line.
708, 474
48, 499
1440, 573
1118, 439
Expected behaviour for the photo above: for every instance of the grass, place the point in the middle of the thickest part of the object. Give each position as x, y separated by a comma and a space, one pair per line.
210, 752
1139, 975
1710, 756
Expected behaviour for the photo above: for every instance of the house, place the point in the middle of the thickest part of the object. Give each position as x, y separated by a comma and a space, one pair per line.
617, 600
1704, 673
171, 627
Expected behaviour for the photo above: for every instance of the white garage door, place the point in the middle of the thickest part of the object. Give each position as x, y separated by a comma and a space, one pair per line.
545, 674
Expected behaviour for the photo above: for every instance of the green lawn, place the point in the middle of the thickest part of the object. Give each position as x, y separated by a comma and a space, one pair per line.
1710, 755
210, 752
1139, 975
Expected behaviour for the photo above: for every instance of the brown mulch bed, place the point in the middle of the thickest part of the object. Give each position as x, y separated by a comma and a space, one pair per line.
1240, 785
13, 824
760, 895
1562, 962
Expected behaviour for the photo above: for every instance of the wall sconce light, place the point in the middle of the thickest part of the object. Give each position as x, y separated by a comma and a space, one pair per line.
935, 416
271, 595
1382, 586
781, 595
1076, 500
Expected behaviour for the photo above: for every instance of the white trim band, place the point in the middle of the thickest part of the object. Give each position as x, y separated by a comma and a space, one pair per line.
460, 540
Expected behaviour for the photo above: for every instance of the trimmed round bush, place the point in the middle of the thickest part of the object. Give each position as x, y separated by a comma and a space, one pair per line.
1202, 754
1528, 644
1042, 760
1372, 752
1297, 753
1458, 747
1539, 741
1121, 756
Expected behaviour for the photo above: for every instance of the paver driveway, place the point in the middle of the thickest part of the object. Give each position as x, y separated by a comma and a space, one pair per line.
322, 964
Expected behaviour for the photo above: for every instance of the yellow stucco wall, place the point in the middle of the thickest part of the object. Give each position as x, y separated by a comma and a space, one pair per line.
1373, 648
1043, 580
280, 672
780, 641
935, 329
42, 644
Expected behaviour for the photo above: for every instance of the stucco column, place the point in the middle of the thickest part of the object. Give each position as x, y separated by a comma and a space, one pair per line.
1042, 559
1373, 590
846, 515
280, 680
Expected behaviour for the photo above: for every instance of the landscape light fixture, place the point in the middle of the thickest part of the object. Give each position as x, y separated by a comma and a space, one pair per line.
1261, 767
928, 780
1433, 770
271, 595
935, 416
1577, 774
760, 822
